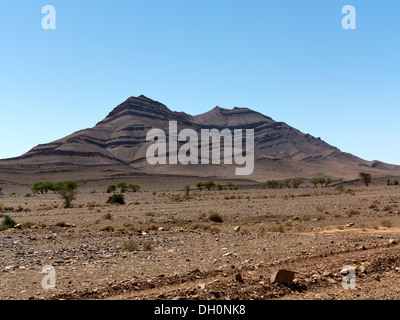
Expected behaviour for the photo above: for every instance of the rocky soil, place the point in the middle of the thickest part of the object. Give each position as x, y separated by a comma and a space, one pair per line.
163, 245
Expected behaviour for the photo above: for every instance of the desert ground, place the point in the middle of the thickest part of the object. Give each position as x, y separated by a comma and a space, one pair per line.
163, 245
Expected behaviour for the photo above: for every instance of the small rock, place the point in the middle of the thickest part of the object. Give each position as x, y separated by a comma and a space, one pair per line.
377, 277
239, 277
236, 229
284, 277
392, 242
18, 226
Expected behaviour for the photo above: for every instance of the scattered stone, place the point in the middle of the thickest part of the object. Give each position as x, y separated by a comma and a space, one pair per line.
239, 277
392, 242
236, 229
284, 277
18, 226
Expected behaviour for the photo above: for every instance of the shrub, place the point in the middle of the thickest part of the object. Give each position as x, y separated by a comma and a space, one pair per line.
386, 223
209, 185
61, 224
187, 189
297, 182
200, 185
147, 246
130, 246
1, 189
111, 188
272, 184
44, 187
123, 186
230, 185
396, 182
340, 188
133, 187
67, 191
117, 198
328, 181
366, 177
215, 217
107, 216
7, 222
388, 181
220, 187
286, 182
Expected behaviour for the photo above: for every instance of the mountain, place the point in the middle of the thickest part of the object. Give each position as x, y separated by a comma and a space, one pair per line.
119, 143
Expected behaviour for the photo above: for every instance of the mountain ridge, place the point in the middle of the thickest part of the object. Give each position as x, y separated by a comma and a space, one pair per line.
119, 141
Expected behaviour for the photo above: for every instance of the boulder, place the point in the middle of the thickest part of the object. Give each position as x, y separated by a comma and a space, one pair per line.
284, 277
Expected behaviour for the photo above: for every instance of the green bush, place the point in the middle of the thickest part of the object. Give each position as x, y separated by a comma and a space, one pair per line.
67, 190
123, 186
44, 187
133, 187
200, 185
209, 185
7, 222
117, 198
111, 188
271, 184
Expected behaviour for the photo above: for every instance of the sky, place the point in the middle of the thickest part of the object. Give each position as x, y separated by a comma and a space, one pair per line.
288, 59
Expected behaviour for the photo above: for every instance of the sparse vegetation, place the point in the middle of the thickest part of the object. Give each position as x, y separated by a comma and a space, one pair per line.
366, 178
187, 189
111, 188
67, 190
43, 187
215, 217
271, 184
386, 223
117, 198
297, 182
130, 245
200, 185
340, 187
324, 182
147, 246
107, 216
209, 185
7, 223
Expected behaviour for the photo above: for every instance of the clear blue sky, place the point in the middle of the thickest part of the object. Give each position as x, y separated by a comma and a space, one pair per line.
288, 59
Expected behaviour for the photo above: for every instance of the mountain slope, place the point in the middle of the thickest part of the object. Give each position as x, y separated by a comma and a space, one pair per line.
119, 142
